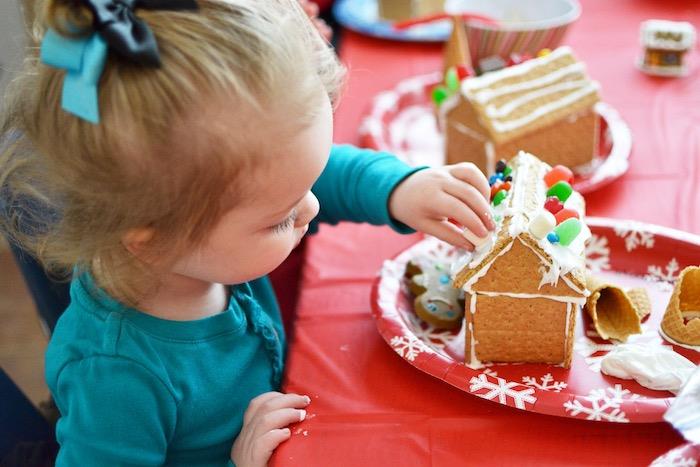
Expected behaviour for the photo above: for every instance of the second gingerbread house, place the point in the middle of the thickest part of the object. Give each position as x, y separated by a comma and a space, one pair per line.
544, 106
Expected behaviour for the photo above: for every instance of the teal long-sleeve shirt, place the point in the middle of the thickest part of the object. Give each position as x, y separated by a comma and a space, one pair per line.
137, 390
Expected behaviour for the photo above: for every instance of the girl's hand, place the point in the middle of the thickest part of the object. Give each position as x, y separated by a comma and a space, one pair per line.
265, 427
428, 198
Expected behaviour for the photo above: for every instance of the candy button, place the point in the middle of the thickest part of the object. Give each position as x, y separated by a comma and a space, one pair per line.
505, 186
542, 224
553, 205
559, 173
565, 214
493, 178
444, 279
561, 190
452, 79
553, 237
495, 188
440, 93
568, 230
500, 196
507, 171
501, 166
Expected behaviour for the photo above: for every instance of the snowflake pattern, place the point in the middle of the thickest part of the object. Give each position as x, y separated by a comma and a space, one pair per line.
634, 237
546, 383
655, 273
597, 253
407, 347
602, 404
674, 458
500, 390
592, 352
429, 334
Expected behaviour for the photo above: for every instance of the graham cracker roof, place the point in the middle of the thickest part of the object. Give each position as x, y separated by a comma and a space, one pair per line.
531, 95
525, 199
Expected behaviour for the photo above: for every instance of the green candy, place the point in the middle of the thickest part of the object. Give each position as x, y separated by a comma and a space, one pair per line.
508, 170
452, 79
499, 197
440, 93
561, 190
568, 231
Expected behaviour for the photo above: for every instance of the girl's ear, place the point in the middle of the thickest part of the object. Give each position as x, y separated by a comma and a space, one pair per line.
136, 240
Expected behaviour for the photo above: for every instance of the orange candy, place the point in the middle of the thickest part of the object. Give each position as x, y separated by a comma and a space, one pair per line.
557, 174
565, 214
496, 187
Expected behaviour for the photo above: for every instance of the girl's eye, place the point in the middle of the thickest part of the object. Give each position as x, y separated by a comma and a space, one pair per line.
285, 224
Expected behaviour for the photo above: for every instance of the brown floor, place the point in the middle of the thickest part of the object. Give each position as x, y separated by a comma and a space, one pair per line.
22, 341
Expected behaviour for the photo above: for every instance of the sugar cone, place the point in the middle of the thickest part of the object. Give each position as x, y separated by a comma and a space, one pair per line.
684, 303
616, 314
457, 46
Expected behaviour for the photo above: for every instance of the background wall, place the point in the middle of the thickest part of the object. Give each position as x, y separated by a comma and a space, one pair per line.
12, 40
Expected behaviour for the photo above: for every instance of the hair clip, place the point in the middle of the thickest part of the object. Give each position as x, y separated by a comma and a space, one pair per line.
116, 28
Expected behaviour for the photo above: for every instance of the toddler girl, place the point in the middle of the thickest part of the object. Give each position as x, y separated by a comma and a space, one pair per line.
175, 153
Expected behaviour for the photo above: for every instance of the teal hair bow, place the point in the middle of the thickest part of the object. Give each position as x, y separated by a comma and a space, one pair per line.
83, 59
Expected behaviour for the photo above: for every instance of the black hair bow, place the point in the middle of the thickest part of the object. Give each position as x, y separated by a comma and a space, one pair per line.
127, 34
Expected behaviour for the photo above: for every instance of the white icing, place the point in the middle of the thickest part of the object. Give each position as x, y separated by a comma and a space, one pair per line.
569, 311
540, 111
490, 157
465, 130
679, 344
481, 273
656, 367
474, 362
512, 105
486, 95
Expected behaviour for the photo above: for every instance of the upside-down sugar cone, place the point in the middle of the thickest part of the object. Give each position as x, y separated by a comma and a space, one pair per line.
457, 46
613, 311
684, 303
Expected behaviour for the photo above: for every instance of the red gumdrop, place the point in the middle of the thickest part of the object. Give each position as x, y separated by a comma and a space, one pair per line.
463, 72
553, 205
557, 174
514, 59
565, 214
496, 187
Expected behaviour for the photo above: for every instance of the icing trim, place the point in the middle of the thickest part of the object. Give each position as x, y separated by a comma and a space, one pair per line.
556, 298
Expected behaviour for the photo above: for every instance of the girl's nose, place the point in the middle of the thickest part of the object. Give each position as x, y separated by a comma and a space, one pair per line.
308, 209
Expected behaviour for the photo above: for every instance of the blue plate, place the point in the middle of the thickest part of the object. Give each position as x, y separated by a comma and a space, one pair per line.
363, 16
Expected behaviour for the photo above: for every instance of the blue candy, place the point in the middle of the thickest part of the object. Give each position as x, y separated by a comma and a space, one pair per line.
553, 237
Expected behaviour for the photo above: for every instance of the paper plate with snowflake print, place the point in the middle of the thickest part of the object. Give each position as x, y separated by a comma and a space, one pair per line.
687, 455
625, 253
402, 121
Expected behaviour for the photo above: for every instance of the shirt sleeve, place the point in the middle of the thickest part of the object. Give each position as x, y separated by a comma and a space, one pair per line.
356, 185
113, 412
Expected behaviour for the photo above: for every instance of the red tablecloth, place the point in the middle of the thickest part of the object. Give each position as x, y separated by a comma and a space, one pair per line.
371, 408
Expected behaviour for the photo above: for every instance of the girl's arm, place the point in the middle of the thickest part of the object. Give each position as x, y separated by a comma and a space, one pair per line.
113, 412
356, 185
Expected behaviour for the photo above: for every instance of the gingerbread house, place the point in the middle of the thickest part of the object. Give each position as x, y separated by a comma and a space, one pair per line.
544, 105
665, 45
400, 10
524, 286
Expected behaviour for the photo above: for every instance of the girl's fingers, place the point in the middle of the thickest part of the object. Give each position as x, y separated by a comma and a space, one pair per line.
284, 401
469, 173
447, 232
267, 443
449, 206
278, 419
258, 402
470, 196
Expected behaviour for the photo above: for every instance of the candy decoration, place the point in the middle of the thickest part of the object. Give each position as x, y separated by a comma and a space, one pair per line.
561, 190
452, 79
553, 205
553, 237
495, 188
542, 224
544, 52
495, 177
568, 230
509, 178
565, 214
501, 166
507, 171
463, 72
505, 186
500, 196
440, 93
491, 63
559, 173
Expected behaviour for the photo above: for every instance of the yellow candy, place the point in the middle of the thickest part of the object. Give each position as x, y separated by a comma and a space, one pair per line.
544, 52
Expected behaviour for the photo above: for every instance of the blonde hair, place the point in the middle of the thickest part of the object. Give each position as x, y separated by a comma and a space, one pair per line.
94, 183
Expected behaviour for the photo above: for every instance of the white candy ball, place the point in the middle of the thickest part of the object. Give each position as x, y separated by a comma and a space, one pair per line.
542, 224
